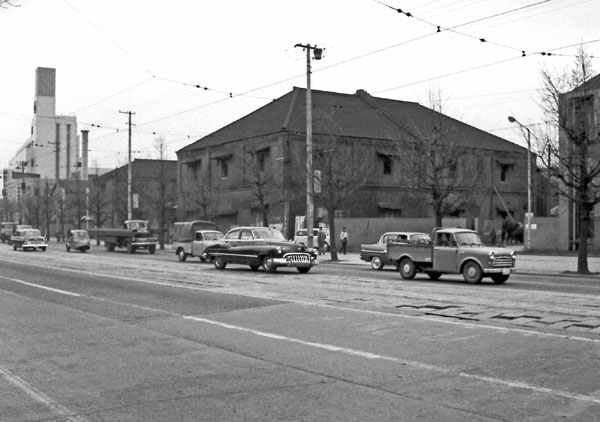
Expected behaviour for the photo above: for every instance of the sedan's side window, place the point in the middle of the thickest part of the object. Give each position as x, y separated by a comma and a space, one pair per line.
246, 235
232, 235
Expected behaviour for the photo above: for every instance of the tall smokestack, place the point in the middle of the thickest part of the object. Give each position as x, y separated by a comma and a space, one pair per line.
84, 154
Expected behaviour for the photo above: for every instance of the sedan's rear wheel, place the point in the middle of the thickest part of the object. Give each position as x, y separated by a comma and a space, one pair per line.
376, 263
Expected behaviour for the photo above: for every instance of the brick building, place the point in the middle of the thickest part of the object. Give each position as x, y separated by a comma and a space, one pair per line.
256, 164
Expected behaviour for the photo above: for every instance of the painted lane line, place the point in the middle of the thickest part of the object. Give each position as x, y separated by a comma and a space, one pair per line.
404, 362
40, 286
40, 397
428, 318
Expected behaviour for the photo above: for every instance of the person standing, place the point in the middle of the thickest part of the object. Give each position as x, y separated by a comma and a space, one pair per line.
321, 241
344, 239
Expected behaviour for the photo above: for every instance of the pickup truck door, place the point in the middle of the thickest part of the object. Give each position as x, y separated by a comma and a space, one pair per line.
197, 244
445, 256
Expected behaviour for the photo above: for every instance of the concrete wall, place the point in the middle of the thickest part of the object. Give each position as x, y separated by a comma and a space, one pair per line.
368, 230
545, 234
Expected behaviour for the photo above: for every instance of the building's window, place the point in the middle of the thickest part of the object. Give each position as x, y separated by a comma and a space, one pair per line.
504, 169
194, 168
224, 165
387, 164
261, 159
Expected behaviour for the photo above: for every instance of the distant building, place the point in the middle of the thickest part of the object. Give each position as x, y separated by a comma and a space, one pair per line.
580, 108
52, 156
217, 174
154, 194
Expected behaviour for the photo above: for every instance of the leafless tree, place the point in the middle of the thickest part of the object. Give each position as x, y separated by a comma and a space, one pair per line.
341, 171
437, 163
160, 193
266, 191
570, 145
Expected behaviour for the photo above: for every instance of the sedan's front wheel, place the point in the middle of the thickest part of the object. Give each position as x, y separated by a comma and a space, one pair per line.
220, 263
268, 265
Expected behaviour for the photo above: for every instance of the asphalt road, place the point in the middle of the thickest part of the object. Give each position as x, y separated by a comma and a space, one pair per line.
116, 337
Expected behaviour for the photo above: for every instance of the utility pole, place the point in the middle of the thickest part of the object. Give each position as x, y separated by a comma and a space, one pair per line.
310, 178
129, 171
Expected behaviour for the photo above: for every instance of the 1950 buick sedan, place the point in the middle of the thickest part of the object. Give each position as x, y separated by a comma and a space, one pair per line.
262, 247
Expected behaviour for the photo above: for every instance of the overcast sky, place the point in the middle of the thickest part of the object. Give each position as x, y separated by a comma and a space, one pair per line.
148, 56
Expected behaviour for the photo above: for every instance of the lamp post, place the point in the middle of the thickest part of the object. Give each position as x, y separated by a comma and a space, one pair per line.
528, 216
318, 52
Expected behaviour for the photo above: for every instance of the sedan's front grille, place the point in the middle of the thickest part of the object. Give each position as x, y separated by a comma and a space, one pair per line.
298, 260
503, 261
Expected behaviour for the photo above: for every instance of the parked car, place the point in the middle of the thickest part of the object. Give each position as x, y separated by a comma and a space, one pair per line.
302, 235
376, 253
28, 239
262, 246
78, 240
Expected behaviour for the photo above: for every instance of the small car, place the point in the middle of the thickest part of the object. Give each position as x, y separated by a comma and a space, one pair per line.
78, 240
376, 253
28, 239
261, 246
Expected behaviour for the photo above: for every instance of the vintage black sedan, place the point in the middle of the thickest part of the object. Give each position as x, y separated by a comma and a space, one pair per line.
262, 247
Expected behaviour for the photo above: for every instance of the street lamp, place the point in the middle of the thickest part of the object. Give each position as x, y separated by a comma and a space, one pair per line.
318, 53
528, 216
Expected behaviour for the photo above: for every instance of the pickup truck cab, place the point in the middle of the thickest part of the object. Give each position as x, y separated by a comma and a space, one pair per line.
28, 239
454, 251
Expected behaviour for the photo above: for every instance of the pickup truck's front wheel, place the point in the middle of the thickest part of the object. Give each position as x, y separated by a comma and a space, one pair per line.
472, 272
181, 255
407, 268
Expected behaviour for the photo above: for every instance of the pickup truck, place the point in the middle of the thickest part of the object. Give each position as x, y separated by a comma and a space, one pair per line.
453, 251
134, 235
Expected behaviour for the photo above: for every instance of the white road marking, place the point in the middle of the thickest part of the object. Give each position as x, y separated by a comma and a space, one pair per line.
40, 397
428, 318
413, 364
40, 286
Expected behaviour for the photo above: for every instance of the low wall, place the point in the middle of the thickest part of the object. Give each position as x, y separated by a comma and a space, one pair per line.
544, 233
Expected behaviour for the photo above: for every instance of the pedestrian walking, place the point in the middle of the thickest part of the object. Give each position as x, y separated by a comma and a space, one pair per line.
344, 239
321, 241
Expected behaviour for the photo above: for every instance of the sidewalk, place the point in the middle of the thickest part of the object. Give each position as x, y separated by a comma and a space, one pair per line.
526, 264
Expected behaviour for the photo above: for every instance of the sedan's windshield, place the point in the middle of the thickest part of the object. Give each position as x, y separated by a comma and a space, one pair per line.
267, 233
468, 239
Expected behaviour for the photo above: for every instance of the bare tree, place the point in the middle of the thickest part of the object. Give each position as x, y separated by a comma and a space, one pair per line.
266, 191
570, 145
438, 164
160, 192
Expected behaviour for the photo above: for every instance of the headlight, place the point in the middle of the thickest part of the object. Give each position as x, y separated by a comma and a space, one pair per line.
492, 255
279, 250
